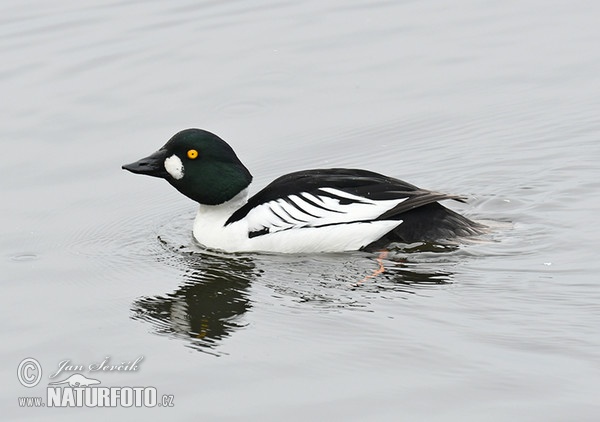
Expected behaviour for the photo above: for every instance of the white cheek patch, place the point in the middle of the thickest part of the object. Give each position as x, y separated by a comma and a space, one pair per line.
174, 166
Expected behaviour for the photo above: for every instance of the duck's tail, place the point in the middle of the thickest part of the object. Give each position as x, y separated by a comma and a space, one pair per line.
430, 223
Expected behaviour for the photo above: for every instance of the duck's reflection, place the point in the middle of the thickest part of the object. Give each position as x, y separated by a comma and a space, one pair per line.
210, 303
208, 306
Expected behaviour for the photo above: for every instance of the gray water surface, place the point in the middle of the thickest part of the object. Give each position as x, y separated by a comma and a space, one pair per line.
496, 101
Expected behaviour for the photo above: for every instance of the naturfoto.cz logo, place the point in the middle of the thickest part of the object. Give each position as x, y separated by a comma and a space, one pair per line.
78, 390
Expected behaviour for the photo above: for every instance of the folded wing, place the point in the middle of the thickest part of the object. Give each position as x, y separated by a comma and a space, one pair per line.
318, 198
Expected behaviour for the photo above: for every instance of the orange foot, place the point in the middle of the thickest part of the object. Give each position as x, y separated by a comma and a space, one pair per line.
382, 255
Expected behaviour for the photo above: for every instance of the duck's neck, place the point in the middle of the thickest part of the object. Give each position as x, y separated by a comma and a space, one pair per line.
217, 215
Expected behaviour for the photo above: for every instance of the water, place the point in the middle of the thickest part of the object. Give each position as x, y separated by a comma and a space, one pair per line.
496, 101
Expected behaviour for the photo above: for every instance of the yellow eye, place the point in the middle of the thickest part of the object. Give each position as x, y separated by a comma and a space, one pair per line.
192, 154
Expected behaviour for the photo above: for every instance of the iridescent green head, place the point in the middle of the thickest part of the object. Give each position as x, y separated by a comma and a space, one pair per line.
198, 164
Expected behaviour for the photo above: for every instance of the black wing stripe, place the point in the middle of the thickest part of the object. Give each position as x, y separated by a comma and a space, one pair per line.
342, 199
292, 217
305, 197
298, 207
265, 230
256, 233
280, 217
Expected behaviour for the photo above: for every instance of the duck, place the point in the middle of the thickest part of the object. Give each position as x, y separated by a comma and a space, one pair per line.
309, 211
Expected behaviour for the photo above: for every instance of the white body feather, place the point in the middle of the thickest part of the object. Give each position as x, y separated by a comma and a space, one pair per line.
330, 226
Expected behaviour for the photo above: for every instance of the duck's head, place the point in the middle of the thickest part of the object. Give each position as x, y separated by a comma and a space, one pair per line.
198, 164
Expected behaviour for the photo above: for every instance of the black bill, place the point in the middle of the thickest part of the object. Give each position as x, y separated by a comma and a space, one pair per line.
153, 165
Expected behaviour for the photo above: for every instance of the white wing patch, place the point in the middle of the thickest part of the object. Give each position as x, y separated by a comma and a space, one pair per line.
325, 207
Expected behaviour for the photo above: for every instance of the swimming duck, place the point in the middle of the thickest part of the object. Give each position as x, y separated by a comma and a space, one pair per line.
323, 210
